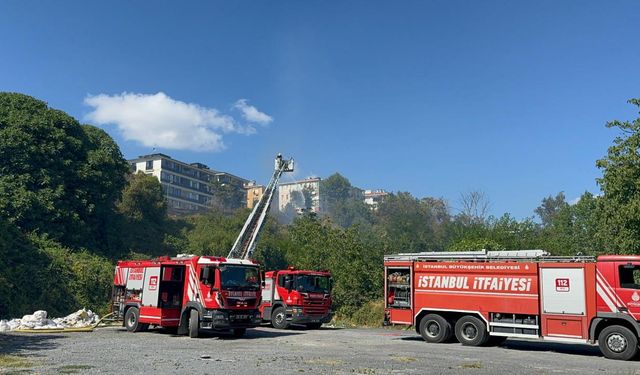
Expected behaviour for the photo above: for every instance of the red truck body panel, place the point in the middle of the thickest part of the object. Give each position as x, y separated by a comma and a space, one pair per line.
302, 306
164, 288
552, 299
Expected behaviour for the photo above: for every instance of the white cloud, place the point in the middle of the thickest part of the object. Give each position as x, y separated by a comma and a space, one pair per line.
157, 120
251, 113
574, 201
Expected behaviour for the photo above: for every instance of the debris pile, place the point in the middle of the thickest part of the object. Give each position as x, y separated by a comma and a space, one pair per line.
39, 320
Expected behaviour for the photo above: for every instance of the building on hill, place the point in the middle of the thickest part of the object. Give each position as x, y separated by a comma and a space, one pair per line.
374, 197
254, 193
303, 195
192, 188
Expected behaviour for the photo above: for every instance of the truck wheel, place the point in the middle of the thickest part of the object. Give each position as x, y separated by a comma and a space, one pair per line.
194, 323
618, 342
314, 325
471, 331
132, 320
435, 329
238, 332
279, 318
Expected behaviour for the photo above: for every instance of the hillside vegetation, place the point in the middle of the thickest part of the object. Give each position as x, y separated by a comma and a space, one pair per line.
69, 208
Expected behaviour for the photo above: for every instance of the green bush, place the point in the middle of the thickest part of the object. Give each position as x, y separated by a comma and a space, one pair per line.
371, 314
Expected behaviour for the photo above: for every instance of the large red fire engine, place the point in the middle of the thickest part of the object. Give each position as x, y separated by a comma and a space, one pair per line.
193, 292
188, 292
487, 296
296, 297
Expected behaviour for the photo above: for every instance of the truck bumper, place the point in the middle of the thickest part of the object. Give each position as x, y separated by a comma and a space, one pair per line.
229, 319
296, 316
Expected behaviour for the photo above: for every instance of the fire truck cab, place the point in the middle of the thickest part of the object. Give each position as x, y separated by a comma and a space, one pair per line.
296, 297
483, 297
188, 293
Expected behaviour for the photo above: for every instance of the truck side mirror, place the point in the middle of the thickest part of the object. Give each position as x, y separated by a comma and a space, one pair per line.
287, 284
207, 276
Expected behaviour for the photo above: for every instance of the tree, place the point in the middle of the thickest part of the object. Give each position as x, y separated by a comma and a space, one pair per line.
474, 207
409, 224
226, 197
214, 232
344, 203
144, 208
619, 206
573, 229
550, 207
56, 177
336, 188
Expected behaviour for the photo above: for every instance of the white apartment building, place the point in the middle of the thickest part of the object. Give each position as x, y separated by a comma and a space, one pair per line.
188, 188
296, 193
374, 197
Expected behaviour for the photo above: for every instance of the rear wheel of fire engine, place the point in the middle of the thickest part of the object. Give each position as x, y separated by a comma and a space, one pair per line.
279, 318
194, 323
132, 320
314, 325
618, 342
471, 331
435, 329
238, 332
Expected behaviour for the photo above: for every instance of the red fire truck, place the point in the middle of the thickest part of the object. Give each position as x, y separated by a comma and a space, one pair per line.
188, 292
296, 297
486, 296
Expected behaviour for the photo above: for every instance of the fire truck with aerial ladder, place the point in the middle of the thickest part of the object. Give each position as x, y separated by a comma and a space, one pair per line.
190, 292
483, 297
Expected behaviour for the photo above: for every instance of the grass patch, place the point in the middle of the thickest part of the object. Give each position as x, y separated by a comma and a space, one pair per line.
326, 362
472, 365
371, 314
73, 369
14, 361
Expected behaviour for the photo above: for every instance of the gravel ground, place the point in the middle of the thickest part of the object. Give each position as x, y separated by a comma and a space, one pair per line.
265, 350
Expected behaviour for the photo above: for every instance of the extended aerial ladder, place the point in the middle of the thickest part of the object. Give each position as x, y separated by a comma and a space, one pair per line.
246, 242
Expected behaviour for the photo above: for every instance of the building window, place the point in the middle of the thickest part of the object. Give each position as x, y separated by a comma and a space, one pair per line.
133, 167
149, 164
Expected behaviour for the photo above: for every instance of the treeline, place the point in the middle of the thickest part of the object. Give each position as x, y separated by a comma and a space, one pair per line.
69, 208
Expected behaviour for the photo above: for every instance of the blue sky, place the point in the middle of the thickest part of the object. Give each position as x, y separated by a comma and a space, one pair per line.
432, 97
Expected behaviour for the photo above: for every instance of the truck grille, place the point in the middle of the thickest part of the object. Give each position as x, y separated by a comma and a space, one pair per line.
315, 306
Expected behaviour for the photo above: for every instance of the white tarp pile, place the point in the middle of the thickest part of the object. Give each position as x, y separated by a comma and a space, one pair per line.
38, 320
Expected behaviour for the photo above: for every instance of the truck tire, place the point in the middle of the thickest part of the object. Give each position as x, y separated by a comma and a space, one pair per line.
194, 323
238, 332
279, 318
435, 329
471, 331
314, 325
132, 320
618, 342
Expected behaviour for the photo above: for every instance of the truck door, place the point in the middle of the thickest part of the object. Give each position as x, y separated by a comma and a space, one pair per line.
267, 290
563, 302
151, 287
628, 287
399, 294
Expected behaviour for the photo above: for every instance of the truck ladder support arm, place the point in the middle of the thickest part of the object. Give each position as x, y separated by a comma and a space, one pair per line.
246, 242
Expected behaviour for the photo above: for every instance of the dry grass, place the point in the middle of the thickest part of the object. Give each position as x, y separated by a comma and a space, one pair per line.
14, 361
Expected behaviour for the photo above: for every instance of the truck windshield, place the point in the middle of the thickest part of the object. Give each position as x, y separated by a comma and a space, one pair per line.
312, 284
239, 278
